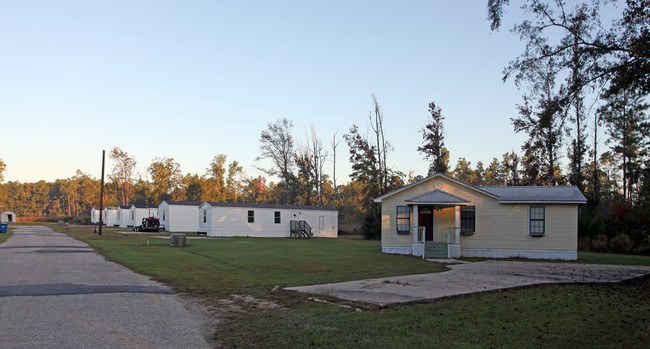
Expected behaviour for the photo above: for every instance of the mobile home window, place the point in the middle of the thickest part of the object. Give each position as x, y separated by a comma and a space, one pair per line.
467, 220
132, 215
403, 220
276, 217
205, 216
163, 215
251, 216
537, 220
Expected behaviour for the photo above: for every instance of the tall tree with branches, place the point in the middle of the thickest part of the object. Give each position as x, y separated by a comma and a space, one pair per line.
382, 146
277, 144
433, 142
628, 126
122, 174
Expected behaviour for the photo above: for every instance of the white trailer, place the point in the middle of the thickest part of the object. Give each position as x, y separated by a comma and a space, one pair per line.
265, 220
179, 216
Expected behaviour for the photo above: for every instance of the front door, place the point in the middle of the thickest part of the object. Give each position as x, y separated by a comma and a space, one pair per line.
425, 219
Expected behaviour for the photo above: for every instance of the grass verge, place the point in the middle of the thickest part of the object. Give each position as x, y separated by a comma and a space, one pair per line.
4, 237
616, 315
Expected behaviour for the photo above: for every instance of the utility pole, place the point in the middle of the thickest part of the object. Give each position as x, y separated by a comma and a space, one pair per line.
101, 195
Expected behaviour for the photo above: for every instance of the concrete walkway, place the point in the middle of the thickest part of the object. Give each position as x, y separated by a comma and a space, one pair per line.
472, 278
57, 292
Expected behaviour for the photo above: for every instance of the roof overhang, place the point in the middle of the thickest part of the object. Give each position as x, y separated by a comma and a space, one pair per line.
436, 175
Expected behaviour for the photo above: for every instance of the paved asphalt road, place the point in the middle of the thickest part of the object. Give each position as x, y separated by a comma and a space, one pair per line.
57, 292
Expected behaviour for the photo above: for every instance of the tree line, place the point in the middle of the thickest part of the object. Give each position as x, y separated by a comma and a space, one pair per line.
579, 77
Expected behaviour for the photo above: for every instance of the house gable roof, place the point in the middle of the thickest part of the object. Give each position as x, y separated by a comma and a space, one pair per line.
437, 197
272, 206
436, 175
508, 195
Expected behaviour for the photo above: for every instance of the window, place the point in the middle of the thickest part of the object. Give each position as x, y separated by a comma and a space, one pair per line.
251, 216
132, 215
276, 217
403, 220
163, 215
467, 220
537, 221
205, 216
321, 222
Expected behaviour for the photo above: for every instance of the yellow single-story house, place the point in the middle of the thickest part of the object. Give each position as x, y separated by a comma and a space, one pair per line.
442, 217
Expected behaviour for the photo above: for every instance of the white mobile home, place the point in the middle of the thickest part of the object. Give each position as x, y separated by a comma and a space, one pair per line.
266, 220
7, 217
94, 215
124, 216
442, 217
110, 217
179, 216
138, 212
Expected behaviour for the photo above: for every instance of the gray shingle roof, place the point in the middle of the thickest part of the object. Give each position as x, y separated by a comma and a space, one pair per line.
278, 206
183, 203
437, 196
144, 206
564, 194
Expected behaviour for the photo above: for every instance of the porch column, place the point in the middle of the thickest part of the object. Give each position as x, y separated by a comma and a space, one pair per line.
415, 223
457, 224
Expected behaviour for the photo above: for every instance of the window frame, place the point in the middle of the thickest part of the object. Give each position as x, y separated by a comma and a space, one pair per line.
531, 220
463, 220
277, 217
251, 216
405, 221
205, 216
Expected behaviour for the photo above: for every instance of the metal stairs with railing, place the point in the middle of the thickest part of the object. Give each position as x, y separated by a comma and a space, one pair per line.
300, 229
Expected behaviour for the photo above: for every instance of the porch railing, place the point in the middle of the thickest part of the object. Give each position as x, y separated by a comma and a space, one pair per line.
420, 233
452, 237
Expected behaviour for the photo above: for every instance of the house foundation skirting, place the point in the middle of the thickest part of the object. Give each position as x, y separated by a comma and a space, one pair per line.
532, 254
397, 250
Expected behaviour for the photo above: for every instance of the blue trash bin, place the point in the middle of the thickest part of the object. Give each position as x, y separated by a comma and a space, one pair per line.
3, 228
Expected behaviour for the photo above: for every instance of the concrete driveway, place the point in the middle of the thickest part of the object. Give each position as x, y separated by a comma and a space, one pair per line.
472, 277
57, 292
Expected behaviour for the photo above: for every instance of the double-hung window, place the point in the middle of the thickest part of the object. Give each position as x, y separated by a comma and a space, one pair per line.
276, 217
467, 220
403, 220
537, 220
251, 216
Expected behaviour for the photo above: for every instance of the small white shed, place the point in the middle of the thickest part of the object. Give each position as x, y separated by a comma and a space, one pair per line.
265, 220
94, 215
142, 211
110, 217
7, 217
124, 216
179, 216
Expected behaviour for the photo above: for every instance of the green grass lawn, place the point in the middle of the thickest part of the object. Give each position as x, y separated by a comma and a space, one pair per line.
557, 316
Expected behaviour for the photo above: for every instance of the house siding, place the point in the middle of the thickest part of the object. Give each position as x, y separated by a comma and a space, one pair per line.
109, 217
233, 221
179, 218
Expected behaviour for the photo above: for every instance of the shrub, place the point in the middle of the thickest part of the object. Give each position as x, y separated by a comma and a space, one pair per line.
621, 243
599, 244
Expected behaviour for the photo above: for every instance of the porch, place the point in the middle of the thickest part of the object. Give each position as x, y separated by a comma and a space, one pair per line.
433, 249
436, 217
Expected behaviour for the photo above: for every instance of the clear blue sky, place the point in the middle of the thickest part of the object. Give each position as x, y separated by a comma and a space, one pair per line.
192, 79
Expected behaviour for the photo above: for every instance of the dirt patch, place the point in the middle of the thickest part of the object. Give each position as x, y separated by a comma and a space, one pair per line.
213, 316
